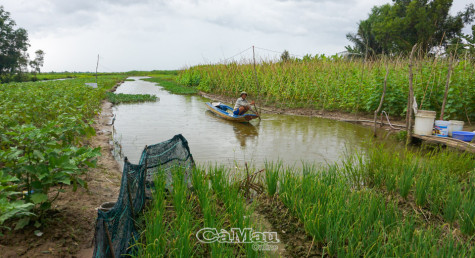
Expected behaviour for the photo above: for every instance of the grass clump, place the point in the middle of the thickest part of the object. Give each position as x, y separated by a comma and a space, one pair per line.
169, 83
129, 98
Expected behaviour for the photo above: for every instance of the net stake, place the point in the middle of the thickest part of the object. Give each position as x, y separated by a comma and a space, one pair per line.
109, 238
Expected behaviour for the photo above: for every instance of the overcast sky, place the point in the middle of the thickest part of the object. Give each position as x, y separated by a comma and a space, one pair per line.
173, 34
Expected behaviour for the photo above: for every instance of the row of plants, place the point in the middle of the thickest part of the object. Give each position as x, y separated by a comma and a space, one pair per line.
42, 128
215, 202
383, 203
336, 83
390, 204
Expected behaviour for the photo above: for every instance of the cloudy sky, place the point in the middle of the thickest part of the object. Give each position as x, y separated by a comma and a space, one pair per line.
173, 34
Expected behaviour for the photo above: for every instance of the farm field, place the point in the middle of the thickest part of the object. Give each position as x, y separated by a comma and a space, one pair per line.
381, 204
376, 203
45, 154
340, 84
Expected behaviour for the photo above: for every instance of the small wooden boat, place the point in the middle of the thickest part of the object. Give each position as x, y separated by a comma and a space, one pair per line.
226, 112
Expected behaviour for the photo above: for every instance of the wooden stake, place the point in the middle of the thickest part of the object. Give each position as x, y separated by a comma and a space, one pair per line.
111, 247
411, 98
382, 100
447, 84
257, 81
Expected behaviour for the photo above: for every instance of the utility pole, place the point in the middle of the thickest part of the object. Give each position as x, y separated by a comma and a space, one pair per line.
97, 66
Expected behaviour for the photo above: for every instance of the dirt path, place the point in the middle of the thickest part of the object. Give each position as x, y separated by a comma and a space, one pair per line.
294, 240
70, 227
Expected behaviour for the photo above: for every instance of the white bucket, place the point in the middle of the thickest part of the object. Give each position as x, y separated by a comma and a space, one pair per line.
455, 125
442, 128
424, 122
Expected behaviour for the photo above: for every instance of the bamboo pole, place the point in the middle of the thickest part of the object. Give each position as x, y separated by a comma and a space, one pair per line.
447, 84
411, 98
257, 81
382, 99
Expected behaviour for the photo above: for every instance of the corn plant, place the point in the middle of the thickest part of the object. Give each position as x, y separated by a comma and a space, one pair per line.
335, 83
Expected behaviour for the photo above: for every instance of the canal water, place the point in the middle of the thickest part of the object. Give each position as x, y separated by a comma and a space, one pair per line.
292, 139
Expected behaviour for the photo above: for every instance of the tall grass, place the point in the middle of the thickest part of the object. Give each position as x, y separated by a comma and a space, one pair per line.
361, 221
389, 204
155, 231
340, 84
272, 171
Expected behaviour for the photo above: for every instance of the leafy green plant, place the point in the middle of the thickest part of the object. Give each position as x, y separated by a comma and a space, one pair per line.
41, 149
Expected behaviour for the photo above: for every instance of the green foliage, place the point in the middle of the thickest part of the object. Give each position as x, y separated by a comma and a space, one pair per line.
395, 28
272, 176
340, 84
129, 98
169, 83
40, 147
13, 46
355, 216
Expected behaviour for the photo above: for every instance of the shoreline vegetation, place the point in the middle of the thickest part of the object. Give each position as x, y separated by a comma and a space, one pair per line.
341, 84
380, 204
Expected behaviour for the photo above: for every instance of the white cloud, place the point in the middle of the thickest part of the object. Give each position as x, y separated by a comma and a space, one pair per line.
151, 34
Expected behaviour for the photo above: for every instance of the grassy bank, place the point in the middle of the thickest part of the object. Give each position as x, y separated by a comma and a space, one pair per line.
167, 79
379, 204
340, 84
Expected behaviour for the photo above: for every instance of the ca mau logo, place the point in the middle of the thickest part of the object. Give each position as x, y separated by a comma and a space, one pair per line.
236, 235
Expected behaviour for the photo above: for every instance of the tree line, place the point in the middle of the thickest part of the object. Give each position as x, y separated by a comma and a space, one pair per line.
395, 28
14, 58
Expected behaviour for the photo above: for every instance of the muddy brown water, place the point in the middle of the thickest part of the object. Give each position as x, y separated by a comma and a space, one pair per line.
292, 139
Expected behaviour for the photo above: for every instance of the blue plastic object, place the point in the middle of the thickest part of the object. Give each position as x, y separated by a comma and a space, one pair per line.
462, 135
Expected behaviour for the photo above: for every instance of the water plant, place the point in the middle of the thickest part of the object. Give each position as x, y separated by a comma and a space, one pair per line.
129, 98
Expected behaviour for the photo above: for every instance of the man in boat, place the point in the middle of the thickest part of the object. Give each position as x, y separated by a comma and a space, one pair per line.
242, 105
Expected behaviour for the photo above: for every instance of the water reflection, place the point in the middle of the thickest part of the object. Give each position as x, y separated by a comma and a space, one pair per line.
242, 131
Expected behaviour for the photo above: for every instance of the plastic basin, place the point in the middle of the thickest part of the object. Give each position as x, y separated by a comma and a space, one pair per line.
464, 136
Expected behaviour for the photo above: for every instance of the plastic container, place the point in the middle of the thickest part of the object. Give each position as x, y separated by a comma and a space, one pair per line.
464, 136
424, 122
455, 125
441, 128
